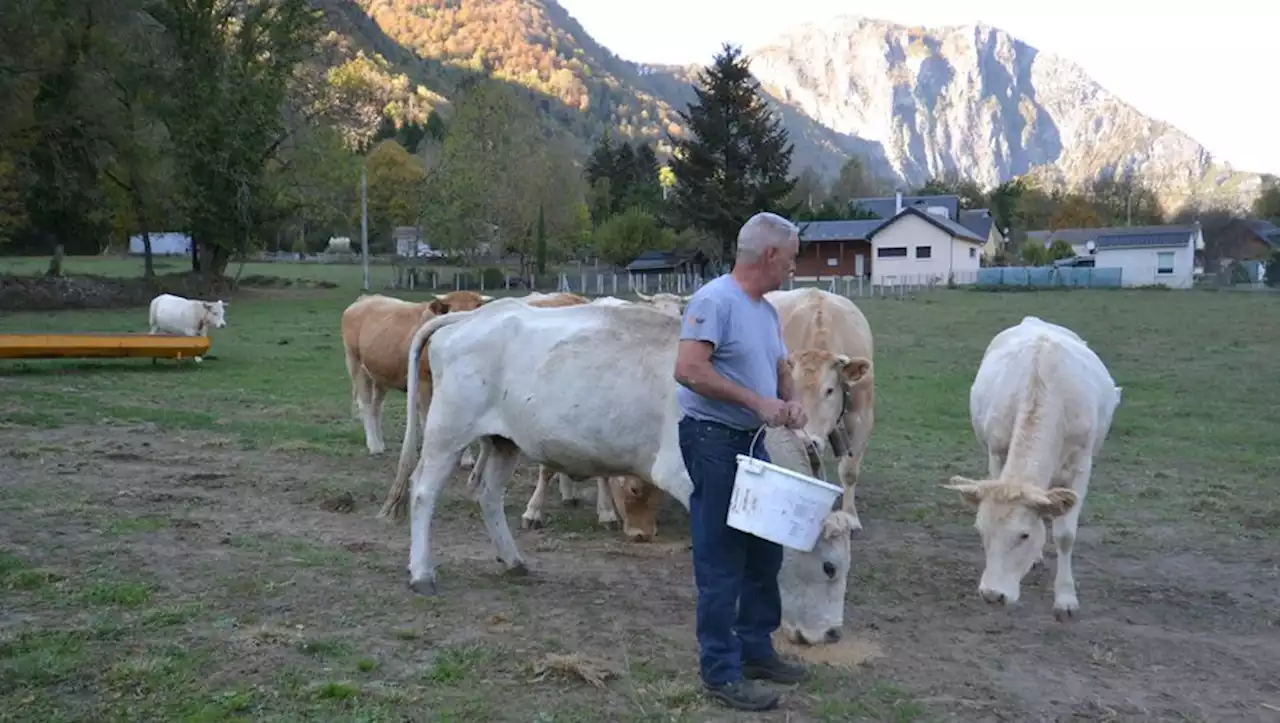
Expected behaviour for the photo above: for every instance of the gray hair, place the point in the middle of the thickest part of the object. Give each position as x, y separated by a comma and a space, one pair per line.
761, 232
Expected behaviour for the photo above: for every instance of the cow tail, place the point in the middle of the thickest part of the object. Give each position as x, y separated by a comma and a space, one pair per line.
396, 505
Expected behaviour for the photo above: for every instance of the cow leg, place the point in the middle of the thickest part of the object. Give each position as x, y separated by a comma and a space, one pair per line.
500, 460
1065, 602
435, 466
606, 515
568, 490
371, 411
850, 467
532, 517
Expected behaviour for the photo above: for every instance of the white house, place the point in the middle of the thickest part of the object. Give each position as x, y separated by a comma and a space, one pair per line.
163, 243
1146, 255
918, 246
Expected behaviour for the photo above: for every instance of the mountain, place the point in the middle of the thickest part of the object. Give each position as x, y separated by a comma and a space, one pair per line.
912, 102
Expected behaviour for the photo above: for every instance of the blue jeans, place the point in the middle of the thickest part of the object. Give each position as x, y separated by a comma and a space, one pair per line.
736, 573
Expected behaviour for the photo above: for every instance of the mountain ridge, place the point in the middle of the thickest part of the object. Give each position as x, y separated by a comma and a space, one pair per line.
914, 102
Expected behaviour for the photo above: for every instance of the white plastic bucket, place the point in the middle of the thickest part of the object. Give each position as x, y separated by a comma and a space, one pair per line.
779, 505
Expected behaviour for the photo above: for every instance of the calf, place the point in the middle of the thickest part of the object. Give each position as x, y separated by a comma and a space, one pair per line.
1041, 407
376, 331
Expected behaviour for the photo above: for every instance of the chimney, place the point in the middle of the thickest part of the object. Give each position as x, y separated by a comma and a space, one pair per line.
897, 207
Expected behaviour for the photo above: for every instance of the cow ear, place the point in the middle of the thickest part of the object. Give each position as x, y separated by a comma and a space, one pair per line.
440, 296
1055, 503
854, 370
970, 491
484, 298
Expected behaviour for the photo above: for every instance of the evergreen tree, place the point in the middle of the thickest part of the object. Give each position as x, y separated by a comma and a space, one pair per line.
646, 189
736, 161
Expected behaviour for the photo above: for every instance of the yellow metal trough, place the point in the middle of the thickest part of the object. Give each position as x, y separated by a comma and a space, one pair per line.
72, 346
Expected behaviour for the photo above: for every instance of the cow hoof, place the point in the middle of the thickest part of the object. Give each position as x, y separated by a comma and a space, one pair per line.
573, 502
609, 524
1065, 611
638, 537
518, 570
425, 586
529, 523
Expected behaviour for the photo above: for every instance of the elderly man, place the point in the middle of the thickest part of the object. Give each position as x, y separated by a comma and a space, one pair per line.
734, 377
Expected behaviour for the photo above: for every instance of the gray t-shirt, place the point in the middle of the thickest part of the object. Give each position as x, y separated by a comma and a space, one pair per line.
748, 347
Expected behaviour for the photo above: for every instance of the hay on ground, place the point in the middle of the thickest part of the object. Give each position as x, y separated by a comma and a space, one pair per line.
575, 665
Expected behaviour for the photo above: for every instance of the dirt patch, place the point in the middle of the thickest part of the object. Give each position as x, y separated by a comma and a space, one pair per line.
286, 587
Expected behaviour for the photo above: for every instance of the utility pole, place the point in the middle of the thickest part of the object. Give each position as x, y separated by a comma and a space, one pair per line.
364, 224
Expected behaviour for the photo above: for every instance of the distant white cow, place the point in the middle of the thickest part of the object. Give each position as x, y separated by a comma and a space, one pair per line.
1041, 406
189, 317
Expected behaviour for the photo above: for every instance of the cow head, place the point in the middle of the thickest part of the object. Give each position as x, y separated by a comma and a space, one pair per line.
638, 502
823, 383
668, 304
812, 584
459, 301
215, 313
1011, 518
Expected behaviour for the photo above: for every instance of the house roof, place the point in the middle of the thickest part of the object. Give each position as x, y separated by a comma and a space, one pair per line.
1118, 237
653, 260
884, 206
859, 230
979, 221
946, 225
1267, 231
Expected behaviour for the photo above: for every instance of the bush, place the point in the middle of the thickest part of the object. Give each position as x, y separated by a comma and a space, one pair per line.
493, 278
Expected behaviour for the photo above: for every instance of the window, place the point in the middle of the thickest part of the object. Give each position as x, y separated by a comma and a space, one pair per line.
1164, 262
891, 251
972, 252
924, 252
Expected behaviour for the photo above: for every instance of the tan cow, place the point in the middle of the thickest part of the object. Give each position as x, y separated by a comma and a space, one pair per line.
376, 331
819, 327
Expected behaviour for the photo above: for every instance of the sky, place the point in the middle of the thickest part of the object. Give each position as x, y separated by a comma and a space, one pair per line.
1205, 74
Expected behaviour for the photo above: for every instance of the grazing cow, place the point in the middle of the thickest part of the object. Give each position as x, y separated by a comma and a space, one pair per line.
819, 327
189, 317
376, 331
587, 389
1041, 407
604, 507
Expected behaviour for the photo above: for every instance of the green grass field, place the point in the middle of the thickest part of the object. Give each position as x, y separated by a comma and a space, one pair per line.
197, 543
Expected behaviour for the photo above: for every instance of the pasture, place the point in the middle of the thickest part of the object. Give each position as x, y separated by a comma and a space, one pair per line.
185, 542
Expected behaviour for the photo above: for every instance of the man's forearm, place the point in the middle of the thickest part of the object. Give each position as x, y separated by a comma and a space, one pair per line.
705, 380
785, 390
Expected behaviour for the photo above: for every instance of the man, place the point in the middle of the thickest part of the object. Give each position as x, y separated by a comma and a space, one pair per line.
734, 377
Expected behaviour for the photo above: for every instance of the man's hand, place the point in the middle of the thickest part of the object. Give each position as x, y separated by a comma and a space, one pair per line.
795, 416
773, 412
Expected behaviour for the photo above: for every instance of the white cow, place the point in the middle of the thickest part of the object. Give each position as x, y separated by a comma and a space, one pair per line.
189, 317
1041, 406
587, 389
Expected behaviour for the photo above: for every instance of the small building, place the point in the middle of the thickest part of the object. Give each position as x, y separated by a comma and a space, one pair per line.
948, 206
163, 243
658, 262
983, 225
1244, 240
914, 246
1147, 255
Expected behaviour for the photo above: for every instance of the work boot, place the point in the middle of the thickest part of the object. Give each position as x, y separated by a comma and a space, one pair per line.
742, 695
775, 669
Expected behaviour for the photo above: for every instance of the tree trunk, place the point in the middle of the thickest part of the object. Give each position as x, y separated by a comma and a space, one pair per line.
55, 263
213, 260
148, 267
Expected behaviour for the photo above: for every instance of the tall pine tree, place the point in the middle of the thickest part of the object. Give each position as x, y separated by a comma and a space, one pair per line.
737, 159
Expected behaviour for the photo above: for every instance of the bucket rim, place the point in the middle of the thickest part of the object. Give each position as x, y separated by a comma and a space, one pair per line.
821, 484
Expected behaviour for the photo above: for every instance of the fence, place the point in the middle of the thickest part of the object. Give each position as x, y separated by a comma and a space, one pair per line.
1050, 277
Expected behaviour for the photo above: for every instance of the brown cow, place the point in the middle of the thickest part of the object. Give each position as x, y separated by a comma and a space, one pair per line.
376, 331
818, 326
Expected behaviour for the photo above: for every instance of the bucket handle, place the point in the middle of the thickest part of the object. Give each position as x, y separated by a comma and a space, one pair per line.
822, 463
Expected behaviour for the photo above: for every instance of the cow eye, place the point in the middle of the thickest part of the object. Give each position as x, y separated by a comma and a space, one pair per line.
829, 392
1024, 537
829, 569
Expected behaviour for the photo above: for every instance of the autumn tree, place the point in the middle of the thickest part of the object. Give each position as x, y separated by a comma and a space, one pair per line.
1124, 200
394, 181
809, 191
1267, 204
232, 66
856, 181
1076, 211
625, 236
736, 158
950, 182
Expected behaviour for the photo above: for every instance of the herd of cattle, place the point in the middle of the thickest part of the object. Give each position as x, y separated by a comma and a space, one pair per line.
585, 389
